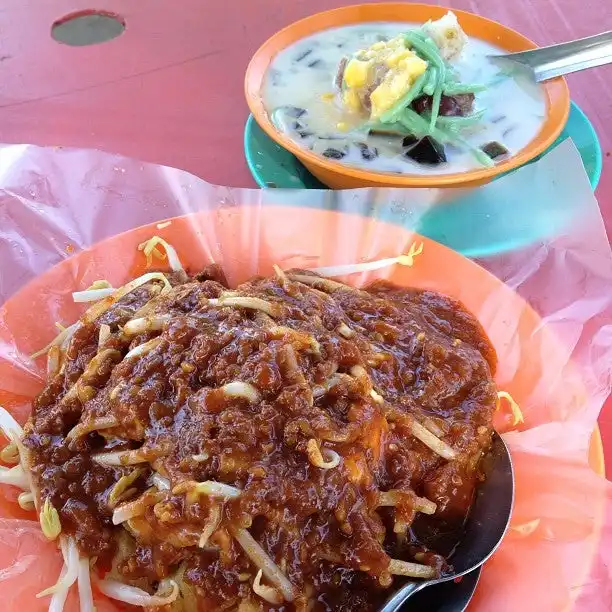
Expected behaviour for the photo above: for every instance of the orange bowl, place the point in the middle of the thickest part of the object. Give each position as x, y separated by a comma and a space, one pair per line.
339, 176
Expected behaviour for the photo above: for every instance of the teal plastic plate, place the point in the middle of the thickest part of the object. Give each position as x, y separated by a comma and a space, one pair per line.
467, 225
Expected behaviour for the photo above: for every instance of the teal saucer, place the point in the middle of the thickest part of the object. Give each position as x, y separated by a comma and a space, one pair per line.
473, 225
273, 166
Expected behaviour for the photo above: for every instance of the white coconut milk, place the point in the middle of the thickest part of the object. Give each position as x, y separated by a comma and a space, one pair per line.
302, 77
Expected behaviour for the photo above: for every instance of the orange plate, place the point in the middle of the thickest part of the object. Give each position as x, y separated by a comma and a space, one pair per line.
339, 176
246, 241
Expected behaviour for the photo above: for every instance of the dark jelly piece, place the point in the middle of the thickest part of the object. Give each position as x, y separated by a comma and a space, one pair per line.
427, 151
294, 111
460, 105
340, 74
422, 105
276, 77
494, 149
301, 129
409, 140
368, 153
303, 55
333, 153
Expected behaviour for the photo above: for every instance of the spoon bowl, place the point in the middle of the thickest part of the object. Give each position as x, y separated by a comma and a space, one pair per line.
485, 527
447, 596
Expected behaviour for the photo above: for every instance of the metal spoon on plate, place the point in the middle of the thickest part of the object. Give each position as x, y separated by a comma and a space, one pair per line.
445, 597
556, 60
484, 529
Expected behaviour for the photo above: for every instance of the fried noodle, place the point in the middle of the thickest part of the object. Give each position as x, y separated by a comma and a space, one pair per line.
236, 450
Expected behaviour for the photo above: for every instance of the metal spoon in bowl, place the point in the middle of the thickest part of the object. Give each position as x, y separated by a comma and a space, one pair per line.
485, 527
549, 62
447, 596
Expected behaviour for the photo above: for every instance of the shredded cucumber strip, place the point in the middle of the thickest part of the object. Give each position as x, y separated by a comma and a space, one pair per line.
421, 126
432, 54
432, 78
451, 76
480, 156
436, 101
455, 89
460, 122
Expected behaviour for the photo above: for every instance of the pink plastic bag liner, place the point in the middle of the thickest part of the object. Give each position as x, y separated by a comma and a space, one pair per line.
558, 554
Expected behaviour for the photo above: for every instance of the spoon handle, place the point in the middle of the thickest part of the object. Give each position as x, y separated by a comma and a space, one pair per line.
577, 55
565, 58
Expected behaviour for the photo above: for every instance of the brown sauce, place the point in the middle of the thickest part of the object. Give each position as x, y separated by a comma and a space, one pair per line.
421, 351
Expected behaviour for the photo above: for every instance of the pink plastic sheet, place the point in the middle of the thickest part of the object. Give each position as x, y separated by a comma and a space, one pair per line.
558, 554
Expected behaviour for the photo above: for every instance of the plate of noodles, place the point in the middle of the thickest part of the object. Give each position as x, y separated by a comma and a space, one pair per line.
197, 430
